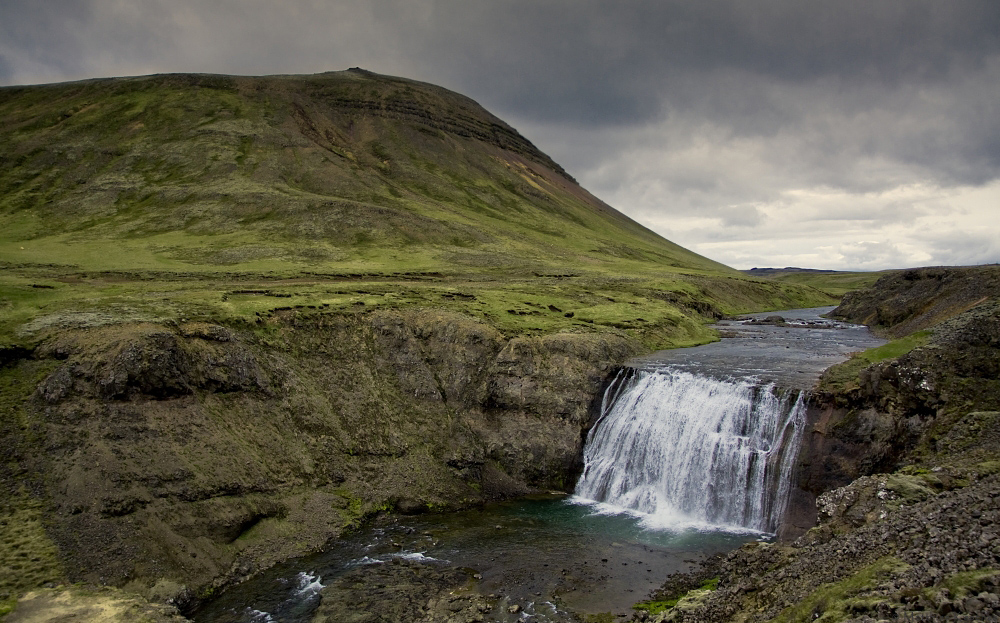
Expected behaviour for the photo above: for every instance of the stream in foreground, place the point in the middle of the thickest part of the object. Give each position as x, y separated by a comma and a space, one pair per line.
546, 554
551, 556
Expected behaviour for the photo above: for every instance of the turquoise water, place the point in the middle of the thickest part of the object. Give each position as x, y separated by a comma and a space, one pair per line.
550, 554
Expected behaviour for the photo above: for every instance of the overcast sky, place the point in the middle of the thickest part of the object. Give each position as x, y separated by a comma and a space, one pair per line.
824, 134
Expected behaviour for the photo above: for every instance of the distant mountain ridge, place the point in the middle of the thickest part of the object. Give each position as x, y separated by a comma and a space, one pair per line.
768, 272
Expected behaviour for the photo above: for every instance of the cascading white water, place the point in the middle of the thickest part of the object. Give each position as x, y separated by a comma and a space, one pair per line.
686, 449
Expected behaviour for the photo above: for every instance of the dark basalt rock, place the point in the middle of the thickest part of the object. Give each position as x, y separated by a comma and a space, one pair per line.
201, 454
902, 302
404, 592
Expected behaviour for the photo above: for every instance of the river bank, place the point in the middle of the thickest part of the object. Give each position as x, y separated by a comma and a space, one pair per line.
904, 463
192, 456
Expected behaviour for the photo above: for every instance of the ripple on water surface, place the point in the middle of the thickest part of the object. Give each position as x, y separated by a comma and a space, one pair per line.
550, 555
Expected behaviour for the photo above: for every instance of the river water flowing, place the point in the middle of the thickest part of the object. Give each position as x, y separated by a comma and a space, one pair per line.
691, 457
691, 451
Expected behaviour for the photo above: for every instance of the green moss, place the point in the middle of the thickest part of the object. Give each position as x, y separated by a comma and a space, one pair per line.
965, 583
913, 488
710, 584
28, 557
839, 600
353, 509
843, 377
987, 468
896, 348
206, 592
7, 606
695, 595
657, 606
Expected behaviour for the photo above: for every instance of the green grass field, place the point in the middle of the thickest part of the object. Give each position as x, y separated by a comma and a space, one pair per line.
225, 198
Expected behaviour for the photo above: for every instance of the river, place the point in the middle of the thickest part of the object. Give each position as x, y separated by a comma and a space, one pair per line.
556, 557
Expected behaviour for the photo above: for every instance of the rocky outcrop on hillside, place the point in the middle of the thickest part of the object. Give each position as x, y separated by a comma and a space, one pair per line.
902, 302
194, 455
408, 101
896, 411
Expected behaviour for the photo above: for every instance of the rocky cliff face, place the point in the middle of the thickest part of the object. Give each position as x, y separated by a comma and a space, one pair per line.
870, 419
195, 454
902, 302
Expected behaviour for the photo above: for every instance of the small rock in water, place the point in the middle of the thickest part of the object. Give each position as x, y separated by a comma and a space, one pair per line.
514, 609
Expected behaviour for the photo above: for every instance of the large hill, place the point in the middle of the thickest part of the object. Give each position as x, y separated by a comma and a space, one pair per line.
344, 169
203, 191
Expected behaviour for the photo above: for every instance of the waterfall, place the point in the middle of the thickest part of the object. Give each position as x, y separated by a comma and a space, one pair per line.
685, 449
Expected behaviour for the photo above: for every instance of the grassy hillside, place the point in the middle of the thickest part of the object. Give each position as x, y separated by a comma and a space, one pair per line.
199, 196
340, 171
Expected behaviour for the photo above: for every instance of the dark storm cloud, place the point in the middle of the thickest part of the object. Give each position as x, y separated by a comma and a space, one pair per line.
606, 61
6, 69
36, 35
582, 60
55, 40
910, 80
